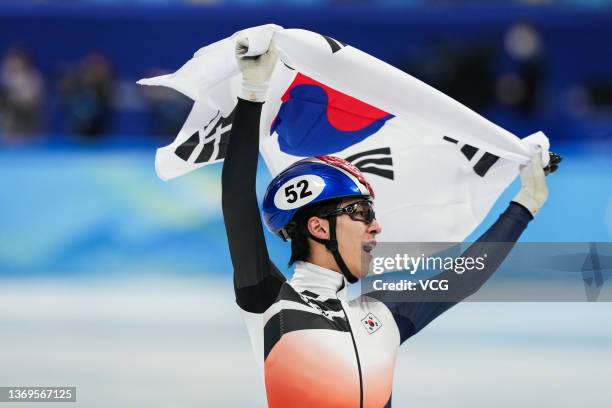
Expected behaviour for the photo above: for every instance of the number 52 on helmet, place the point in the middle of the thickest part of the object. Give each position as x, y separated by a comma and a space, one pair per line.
309, 181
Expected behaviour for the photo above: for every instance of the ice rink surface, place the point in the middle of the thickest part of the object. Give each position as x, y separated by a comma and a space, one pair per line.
180, 342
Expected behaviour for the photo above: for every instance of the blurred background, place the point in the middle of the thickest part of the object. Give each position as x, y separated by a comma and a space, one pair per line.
120, 284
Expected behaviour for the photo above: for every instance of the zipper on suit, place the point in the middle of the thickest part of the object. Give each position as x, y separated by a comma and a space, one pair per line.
356, 356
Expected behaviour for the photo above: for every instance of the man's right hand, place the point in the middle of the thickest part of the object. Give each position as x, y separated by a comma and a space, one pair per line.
256, 70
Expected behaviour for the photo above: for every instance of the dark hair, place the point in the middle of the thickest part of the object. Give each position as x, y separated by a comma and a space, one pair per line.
298, 228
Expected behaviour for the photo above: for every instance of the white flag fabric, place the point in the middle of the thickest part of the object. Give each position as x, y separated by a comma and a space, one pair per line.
436, 166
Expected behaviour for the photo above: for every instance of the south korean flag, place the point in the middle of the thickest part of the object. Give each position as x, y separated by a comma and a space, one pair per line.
436, 166
371, 323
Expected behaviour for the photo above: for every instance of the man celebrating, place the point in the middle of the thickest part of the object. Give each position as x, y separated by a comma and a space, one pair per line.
316, 347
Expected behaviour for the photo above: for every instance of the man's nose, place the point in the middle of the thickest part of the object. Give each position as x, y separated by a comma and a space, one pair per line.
374, 227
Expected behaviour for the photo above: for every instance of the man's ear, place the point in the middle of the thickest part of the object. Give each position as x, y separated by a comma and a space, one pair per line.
318, 227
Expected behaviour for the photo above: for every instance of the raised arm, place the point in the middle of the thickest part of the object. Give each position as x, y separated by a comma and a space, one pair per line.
256, 279
496, 242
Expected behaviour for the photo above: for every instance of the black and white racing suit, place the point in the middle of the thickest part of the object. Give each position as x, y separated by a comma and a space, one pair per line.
312, 342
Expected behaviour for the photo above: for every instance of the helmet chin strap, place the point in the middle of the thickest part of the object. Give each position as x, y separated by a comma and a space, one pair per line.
332, 246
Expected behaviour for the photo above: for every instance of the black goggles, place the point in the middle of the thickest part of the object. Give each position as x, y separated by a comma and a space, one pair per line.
359, 211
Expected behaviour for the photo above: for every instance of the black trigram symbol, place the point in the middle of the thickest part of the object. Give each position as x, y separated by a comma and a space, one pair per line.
208, 143
334, 44
483, 165
377, 161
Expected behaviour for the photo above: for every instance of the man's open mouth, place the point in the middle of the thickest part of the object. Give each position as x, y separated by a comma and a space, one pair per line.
369, 247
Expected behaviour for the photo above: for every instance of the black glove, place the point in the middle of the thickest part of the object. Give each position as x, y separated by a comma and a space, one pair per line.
553, 163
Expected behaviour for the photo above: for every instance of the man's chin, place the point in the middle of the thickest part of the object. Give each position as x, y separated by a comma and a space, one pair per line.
362, 270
